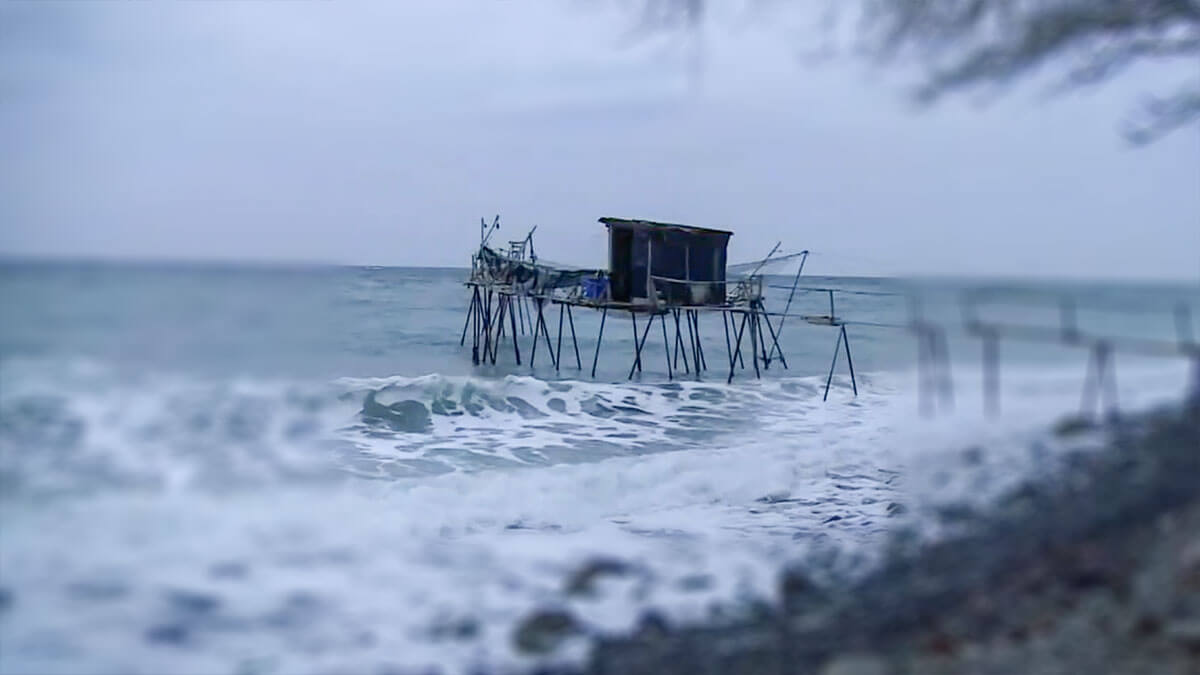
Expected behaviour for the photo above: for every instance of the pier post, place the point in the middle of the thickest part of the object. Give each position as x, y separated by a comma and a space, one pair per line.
558, 355
512, 318
599, 339
574, 340
679, 343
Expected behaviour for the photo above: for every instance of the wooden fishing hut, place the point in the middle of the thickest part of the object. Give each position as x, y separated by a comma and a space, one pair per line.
651, 263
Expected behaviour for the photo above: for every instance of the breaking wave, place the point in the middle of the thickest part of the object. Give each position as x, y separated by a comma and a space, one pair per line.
88, 428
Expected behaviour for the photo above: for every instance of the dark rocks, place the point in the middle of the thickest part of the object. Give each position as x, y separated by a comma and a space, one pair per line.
1070, 573
652, 626
583, 580
544, 630
798, 592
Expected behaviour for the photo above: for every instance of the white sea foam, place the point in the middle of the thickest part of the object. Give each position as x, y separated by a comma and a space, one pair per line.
435, 567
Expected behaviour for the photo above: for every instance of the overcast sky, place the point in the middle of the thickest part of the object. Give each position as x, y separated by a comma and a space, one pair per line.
380, 132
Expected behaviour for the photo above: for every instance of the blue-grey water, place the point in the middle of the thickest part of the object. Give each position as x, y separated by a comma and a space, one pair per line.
240, 469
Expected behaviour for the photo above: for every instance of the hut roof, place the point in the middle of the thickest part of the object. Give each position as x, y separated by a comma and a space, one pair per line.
648, 224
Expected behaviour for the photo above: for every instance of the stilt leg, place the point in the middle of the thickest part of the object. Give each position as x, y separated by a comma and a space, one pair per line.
499, 327
512, 319
574, 340
761, 337
667, 347
699, 341
728, 344
558, 351
775, 348
487, 324
849, 361
476, 321
679, 344
470, 312
541, 306
692, 340
754, 341
537, 325
829, 380
520, 315
741, 361
599, 339
638, 344
737, 349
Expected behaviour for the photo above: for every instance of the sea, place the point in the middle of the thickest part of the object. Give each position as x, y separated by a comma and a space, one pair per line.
235, 468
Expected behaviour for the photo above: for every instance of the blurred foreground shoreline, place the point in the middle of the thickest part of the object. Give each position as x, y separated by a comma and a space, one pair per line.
1098, 572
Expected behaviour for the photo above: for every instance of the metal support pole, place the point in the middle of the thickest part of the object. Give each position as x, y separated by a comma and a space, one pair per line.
558, 353
679, 344
512, 319
775, 348
758, 312
476, 321
574, 340
788, 306
737, 346
849, 361
667, 347
940, 351
637, 353
1101, 387
638, 344
487, 324
729, 345
470, 312
693, 338
541, 303
829, 380
599, 339
499, 327
533, 349
520, 313
754, 340
699, 341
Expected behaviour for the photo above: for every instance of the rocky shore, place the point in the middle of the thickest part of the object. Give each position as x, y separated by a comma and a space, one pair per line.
1094, 571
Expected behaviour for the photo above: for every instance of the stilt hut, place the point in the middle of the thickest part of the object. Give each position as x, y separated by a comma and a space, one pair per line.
679, 265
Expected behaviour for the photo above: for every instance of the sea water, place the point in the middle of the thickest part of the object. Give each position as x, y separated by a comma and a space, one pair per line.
240, 469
